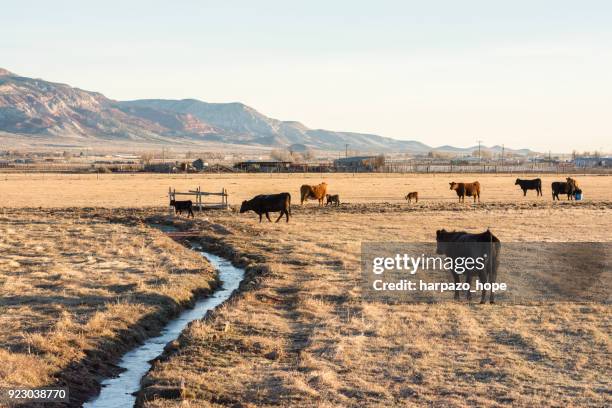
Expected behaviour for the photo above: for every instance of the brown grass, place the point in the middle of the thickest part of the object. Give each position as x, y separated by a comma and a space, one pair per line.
146, 190
306, 337
77, 290
74, 285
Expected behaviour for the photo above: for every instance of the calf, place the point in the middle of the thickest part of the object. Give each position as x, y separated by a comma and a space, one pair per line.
464, 245
266, 203
410, 196
332, 199
180, 206
564, 187
535, 184
466, 189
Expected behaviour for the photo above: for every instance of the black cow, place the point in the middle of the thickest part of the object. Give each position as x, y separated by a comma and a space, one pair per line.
564, 187
461, 244
180, 206
535, 184
265, 203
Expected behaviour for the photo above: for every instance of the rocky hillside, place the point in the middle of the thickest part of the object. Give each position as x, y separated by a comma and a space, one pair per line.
34, 107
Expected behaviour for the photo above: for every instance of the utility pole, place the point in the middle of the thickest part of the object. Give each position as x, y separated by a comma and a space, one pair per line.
479, 156
346, 151
502, 158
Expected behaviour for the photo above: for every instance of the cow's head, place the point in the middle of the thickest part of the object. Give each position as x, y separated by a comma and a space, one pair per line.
172, 203
517, 182
244, 207
453, 185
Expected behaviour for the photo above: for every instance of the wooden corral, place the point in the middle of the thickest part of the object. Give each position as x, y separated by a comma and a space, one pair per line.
198, 202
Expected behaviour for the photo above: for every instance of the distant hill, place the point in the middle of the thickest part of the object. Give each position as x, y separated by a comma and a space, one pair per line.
34, 108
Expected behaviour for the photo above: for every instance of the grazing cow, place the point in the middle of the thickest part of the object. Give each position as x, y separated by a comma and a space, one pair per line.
466, 189
410, 196
568, 187
464, 245
180, 206
315, 192
266, 203
535, 184
332, 199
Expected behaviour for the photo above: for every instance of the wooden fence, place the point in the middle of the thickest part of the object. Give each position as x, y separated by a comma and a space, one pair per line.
198, 203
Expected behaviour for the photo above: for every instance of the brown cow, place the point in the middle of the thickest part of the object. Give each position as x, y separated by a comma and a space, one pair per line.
466, 189
414, 195
315, 192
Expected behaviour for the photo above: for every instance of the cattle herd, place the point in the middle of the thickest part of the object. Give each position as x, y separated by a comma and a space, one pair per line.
267, 203
449, 243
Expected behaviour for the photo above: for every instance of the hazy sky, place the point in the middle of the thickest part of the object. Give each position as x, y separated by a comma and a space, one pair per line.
525, 73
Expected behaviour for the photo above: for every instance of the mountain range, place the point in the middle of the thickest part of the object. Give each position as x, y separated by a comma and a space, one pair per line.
34, 108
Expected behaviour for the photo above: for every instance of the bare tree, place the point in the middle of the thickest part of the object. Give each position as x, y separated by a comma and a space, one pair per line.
379, 162
146, 158
281, 155
309, 154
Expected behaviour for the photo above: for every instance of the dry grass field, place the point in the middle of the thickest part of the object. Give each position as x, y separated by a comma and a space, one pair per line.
78, 291
306, 337
302, 334
146, 190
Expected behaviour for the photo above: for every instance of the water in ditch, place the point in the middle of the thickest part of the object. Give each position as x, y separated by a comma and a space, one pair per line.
118, 392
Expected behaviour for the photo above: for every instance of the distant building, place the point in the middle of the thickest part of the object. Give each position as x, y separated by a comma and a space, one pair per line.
359, 163
266, 166
589, 162
161, 167
199, 164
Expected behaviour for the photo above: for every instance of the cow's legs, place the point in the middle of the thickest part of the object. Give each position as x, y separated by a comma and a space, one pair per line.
191, 213
468, 279
457, 281
280, 216
260, 214
287, 215
483, 277
525, 193
268, 216
492, 278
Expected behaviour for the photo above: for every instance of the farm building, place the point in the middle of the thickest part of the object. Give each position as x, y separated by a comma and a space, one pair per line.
359, 163
199, 164
588, 162
262, 166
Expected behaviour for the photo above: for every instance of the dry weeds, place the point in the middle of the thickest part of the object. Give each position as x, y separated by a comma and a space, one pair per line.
77, 291
74, 284
306, 337
146, 190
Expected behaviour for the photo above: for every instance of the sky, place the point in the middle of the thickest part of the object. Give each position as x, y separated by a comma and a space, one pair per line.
535, 74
